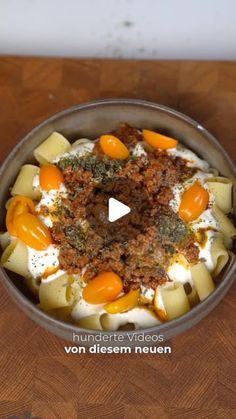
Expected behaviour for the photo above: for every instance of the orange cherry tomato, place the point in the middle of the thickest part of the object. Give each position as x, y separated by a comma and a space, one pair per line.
103, 288
113, 147
125, 303
194, 201
18, 205
50, 177
32, 231
158, 140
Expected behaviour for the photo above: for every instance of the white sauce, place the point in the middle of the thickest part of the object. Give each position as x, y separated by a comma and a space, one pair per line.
140, 317
48, 199
192, 159
79, 151
84, 309
180, 273
205, 252
40, 260
206, 220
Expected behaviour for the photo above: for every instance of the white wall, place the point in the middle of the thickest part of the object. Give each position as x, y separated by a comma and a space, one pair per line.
202, 29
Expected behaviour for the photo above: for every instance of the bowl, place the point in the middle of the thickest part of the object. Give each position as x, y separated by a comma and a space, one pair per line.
90, 120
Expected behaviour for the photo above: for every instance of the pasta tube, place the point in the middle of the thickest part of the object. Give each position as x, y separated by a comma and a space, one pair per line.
24, 182
175, 300
90, 322
32, 284
202, 280
51, 148
56, 293
5, 239
219, 255
15, 258
226, 226
221, 189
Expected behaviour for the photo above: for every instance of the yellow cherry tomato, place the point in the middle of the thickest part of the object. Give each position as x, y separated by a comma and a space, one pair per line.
113, 147
31, 231
194, 201
50, 177
125, 303
103, 288
18, 205
158, 140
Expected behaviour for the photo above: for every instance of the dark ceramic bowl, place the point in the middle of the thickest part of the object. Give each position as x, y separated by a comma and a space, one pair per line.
90, 120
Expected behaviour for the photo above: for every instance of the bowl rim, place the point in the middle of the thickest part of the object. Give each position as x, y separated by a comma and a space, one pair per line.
195, 313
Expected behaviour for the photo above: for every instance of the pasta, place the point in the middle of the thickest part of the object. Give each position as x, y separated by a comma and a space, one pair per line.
202, 280
90, 322
5, 239
175, 301
79, 143
56, 293
24, 182
51, 148
32, 284
222, 190
220, 255
15, 258
193, 297
226, 226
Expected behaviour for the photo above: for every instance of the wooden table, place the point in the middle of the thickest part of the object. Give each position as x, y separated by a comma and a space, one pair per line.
37, 378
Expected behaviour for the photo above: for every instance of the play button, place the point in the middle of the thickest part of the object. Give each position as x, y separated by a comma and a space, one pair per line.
116, 209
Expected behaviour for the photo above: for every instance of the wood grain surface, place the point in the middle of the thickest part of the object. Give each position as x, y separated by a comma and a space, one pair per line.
37, 379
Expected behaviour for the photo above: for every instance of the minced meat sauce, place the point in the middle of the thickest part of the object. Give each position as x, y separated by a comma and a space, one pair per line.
139, 246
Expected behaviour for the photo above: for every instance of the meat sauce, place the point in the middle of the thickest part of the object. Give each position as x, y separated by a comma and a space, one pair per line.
138, 247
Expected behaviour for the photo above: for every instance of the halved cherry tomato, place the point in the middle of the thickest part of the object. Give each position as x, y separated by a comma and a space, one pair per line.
32, 231
194, 201
158, 140
113, 147
125, 303
18, 205
50, 177
103, 288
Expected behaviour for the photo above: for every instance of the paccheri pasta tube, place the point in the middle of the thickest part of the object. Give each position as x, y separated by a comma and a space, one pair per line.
5, 239
219, 254
221, 188
51, 148
15, 258
56, 293
226, 226
24, 182
175, 300
202, 280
